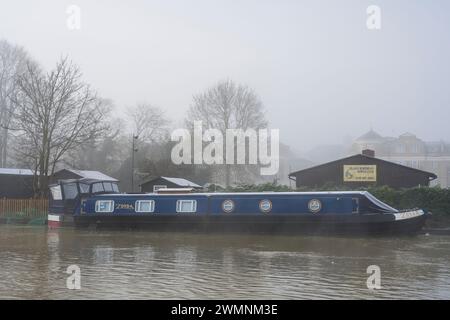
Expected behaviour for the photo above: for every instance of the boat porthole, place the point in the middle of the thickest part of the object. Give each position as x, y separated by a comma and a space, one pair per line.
314, 205
228, 206
265, 205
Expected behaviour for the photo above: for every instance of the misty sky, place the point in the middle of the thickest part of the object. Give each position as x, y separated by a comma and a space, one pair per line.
321, 74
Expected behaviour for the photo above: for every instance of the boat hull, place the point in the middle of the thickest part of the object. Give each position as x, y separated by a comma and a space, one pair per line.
55, 221
369, 224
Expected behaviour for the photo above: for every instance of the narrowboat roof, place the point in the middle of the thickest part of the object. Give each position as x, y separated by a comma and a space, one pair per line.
255, 193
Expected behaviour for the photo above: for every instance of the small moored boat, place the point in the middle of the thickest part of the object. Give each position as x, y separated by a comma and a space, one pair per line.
85, 203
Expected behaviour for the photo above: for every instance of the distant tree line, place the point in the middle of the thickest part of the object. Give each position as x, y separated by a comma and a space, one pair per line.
51, 119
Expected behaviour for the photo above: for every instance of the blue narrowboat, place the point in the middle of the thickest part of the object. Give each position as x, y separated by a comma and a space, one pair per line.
86, 203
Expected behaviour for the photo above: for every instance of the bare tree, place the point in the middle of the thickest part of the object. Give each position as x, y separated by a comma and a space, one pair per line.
148, 122
149, 126
107, 153
227, 105
12, 63
54, 113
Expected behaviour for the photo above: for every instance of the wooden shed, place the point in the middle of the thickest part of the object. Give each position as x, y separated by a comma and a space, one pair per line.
16, 183
362, 170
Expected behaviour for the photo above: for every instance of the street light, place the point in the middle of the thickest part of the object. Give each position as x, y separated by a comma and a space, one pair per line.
133, 151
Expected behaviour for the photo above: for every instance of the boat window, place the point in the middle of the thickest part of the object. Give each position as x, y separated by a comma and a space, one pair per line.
108, 187
145, 206
70, 191
104, 206
97, 187
265, 205
115, 187
84, 188
56, 192
186, 205
228, 206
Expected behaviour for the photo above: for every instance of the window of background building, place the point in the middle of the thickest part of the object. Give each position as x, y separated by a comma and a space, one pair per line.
434, 165
400, 148
448, 177
434, 183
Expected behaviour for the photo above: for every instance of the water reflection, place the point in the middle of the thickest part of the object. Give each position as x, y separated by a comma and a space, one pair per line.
145, 265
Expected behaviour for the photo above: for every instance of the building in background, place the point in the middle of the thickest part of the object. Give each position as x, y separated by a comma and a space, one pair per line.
408, 150
79, 174
362, 170
288, 162
16, 183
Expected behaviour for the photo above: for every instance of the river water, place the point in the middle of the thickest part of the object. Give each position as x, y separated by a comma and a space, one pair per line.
145, 265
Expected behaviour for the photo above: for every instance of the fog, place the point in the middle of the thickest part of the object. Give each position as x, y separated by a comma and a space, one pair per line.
322, 75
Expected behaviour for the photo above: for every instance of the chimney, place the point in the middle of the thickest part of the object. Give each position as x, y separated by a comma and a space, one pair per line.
368, 153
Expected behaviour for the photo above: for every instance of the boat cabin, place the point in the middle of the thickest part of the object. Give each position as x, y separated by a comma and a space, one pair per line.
66, 195
232, 204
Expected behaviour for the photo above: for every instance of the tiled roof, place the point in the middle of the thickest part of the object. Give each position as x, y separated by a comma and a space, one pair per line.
89, 174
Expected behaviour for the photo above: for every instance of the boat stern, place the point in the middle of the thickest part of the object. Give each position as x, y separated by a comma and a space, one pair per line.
410, 214
54, 220
411, 221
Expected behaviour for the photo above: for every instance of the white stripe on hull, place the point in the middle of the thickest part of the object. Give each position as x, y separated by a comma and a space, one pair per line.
408, 214
54, 217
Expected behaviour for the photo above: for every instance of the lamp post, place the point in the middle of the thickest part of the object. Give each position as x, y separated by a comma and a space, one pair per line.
133, 151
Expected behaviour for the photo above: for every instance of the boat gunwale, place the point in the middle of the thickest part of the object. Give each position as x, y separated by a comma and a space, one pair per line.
208, 194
